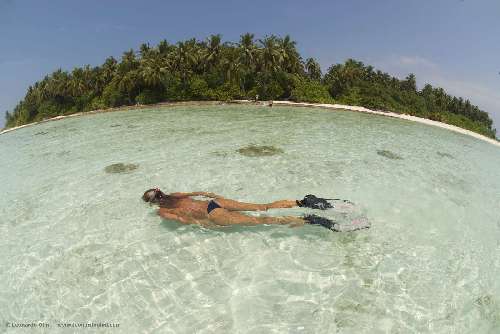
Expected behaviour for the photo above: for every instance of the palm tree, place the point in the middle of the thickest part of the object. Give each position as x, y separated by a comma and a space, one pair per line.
129, 62
108, 71
247, 50
144, 50
289, 54
163, 47
270, 56
212, 57
77, 84
232, 68
185, 59
410, 83
57, 85
128, 83
313, 69
152, 70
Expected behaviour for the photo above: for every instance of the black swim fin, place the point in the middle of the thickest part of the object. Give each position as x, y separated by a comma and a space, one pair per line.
313, 202
317, 220
355, 225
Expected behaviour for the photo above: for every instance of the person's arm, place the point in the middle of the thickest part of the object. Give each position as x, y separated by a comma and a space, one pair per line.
196, 193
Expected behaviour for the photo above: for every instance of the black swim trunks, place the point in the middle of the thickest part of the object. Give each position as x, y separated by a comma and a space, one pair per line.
212, 205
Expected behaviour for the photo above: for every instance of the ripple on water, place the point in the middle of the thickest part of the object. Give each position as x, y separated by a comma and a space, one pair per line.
63, 153
79, 247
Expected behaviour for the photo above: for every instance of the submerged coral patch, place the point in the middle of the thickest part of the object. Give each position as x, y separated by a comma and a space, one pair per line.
120, 168
485, 300
41, 133
389, 155
259, 151
445, 155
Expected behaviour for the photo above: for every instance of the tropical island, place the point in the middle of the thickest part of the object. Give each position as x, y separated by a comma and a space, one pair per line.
212, 70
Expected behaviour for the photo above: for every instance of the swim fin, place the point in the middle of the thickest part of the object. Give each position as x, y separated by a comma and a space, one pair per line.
313, 202
356, 224
317, 220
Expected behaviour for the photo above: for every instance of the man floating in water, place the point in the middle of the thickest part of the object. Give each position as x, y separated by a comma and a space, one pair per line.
220, 211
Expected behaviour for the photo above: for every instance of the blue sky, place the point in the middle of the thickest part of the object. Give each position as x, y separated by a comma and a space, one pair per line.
450, 43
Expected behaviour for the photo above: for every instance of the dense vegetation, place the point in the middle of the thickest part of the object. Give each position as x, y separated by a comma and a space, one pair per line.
212, 70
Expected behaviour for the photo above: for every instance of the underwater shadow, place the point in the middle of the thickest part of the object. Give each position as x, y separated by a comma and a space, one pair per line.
389, 155
305, 233
445, 155
120, 168
41, 133
259, 151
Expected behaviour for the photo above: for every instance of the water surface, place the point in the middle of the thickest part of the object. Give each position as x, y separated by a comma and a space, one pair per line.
78, 244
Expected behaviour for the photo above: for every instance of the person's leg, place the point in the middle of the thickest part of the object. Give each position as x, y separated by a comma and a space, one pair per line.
231, 205
286, 203
221, 216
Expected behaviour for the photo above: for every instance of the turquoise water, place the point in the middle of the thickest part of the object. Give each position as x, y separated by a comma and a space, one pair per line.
79, 245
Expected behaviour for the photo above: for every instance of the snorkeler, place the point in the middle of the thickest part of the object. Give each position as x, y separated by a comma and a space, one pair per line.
220, 211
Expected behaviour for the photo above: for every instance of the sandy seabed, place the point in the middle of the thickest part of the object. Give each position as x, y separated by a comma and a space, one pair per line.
278, 103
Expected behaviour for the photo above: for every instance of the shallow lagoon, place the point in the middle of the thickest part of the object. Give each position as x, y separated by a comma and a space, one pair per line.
80, 245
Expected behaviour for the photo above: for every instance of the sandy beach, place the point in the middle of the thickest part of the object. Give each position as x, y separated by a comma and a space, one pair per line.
278, 103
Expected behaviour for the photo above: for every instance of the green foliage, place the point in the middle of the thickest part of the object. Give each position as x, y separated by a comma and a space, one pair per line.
313, 70
112, 97
97, 103
267, 87
198, 88
227, 92
307, 90
48, 109
215, 70
148, 96
351, 96
354, 83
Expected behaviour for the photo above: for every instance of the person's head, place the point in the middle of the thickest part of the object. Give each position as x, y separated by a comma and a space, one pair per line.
154, 196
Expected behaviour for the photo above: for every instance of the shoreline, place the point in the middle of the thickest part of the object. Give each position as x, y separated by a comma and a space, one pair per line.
275, 103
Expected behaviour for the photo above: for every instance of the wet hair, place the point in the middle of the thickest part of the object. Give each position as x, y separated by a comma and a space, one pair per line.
155, 196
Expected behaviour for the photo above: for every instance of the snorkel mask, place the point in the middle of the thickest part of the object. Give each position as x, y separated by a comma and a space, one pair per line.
154, 196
